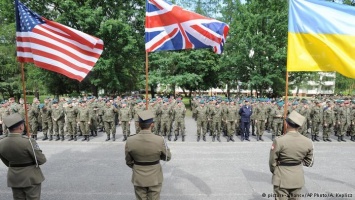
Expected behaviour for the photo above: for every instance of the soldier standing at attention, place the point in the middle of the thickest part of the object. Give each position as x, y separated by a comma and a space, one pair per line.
317, 120
343, 120
231, 119
22, 156
260, 120
143, 153
58, 120
287, 156
277, 120
217, 122
84, 120
245, 112
33, 119
179, 115
165, 113
47, 124
201, 117
329, 122
125, 117
108, 116
71, 113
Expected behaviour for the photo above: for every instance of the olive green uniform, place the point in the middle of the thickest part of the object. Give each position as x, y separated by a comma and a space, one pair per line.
108, 116
58, 121
71, 113
125, 116
328, 123
23, 176
33, 120
84, 120
287, 156
143, 152
179, 117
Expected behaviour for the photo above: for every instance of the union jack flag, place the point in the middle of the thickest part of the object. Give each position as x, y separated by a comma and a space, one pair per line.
170, 27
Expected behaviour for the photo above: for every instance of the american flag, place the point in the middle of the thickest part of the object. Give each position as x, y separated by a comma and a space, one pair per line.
53, 46
170, 27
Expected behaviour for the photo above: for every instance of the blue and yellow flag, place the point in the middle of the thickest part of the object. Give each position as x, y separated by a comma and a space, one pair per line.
321, 37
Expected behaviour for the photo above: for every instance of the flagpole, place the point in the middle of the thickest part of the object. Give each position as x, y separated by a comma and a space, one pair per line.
25, 99
286, 103
146, 79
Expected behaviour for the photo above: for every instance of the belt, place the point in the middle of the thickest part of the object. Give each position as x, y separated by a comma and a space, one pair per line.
22, 165
289, 164
146, 163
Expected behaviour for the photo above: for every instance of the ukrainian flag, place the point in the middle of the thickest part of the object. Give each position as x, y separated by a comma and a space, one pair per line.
321, 37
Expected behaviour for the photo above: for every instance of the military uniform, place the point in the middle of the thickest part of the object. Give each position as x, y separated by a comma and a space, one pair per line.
58, 120
143, 152
71, 114
165, 113
343, 119
125, 117
108, 116
328, 123
231, 118
17, 153
287, 156
317, 120
33, 120
277, 121
179, 118
260, 120
84, 120
137, 108
201, 117
217, 112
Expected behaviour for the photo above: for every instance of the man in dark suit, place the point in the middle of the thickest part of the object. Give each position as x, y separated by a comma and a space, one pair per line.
143, 153
22, 156
245, 112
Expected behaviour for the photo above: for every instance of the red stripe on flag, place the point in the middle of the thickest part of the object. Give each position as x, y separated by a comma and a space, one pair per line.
207, 34
162, 40
58, 70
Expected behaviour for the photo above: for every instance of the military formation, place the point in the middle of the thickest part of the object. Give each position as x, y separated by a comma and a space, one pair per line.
216, 117
85, 117
324, 117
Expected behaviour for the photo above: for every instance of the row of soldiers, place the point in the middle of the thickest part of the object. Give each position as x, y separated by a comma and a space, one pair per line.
216, 115
91, 114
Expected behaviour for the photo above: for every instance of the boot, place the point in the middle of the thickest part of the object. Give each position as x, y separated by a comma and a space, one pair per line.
204, 138
124, 138
198, 138
62, 137
231, 139
228, 139
313, 136
95, 134
108, 138
257, 138
339, 140
88, 138
213, 138
316, 138
85, 137
50, 137
75, 138
113, 137
169, 137
57, 138
183, 138
342, 138
218, 139
91, 133
261, 138
176, 138
45, 137
273, 137
35, 137
329, 140
71, 138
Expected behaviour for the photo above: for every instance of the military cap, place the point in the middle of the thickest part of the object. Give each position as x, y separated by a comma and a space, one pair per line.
280, 103
40, 106
295, 103
69, 102
295, 119
202, 102
13, 120
146, 116
55, 101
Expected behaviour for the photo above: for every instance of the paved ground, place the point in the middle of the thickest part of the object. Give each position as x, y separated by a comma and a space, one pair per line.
96, 170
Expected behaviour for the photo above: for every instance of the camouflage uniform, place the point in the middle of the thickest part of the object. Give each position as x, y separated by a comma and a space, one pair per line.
328, 123
179, 117
84, 120
47, 124
71, 114
125, 117
217, 112
108, 116
201, 116
58, 121
317, 118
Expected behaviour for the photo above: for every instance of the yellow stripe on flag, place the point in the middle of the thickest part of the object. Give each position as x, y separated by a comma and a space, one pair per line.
321, 52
